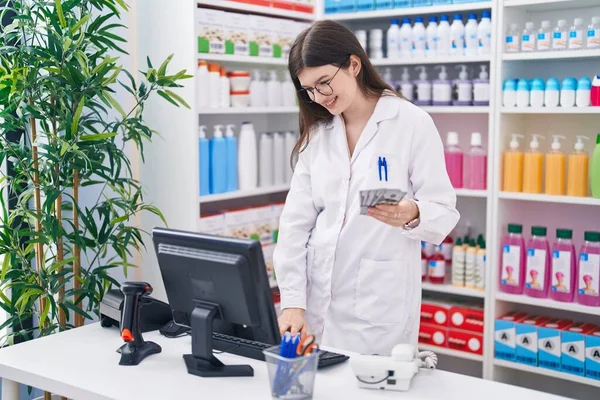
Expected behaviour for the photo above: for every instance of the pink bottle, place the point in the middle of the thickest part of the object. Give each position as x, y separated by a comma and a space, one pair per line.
564, 267
475, 167
512, 260
589, 271
538, 263
595, 93
454, 160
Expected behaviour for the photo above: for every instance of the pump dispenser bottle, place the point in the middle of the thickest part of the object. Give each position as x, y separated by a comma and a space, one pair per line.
218, 162
406, 86
578, 170
442, 88
556, 167
247, 158
512, 181
423, 88
463, 88
232, 158
204, 161
533, 167
453, 156
481, 88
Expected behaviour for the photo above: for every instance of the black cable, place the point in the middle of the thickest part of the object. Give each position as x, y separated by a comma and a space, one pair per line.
373, 383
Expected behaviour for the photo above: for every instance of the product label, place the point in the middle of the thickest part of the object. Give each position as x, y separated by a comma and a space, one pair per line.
543, 41
536, 269
593, 38
470, 261
559, 41
589, 273
528, 43
480, 271
575, 39
447, 251
511, 265
561, 271
458, 267
437, 268
512, 43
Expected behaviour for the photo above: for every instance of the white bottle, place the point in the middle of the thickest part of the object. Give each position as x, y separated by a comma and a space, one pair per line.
537, 93
406, 86
290, 142
444, 43
225, 90
481, 88
432, 37
543, 39
279, 164
592, 36
463, 88
361, 36
512, 41
202, 87
406, 38
274, 91
423, 88
552, 93
214, 85
376, 44
509, 93
484, 34
247, 158
471, 44
265, 160
523, 93
567, 92
584, 91
528, 38
442, 88
258, 91
457, 36
393, 40
576, 35
419, 38
288, 92
388, 77
559, 36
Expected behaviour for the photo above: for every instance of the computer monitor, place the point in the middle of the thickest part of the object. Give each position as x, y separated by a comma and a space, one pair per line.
216, 282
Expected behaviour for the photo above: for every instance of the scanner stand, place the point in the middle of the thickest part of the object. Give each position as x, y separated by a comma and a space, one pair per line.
202, 362
133, 353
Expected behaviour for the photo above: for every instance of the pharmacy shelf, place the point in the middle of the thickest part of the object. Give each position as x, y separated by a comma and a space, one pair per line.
547, 303
459, 291
456, 109
450, 352
388, 62
552, 110
398, 12
471, 193
547, 372
551, 55
232, 59
269, 11
249, 110
546, 198
240, 194
550, 5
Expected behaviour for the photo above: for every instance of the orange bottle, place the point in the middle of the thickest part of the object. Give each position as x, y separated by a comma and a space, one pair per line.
578, 170
512, 179
556, 168
533, 167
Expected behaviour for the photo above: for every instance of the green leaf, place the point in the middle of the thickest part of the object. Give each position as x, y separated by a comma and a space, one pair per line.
166, 96
81, 22
45, 312
163, 67
59, 12
75, 122
177, 97
76, 309
115, 104
100, 136
5, 266
149, 62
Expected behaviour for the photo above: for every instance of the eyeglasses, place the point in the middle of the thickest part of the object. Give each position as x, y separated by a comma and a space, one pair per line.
308, 94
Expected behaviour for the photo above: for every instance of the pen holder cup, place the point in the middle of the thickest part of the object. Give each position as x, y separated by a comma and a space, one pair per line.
291, 378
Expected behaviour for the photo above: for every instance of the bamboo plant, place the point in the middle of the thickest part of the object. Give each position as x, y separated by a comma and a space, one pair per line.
57, 86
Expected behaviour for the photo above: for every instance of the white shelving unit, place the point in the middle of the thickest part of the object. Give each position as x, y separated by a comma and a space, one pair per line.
262, 10
249, 111
451, 352
386, 62
171, 177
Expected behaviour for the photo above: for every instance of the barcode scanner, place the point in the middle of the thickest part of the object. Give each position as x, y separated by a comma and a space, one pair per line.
135, 348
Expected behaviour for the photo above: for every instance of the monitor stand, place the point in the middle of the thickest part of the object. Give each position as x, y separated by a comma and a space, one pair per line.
202, 362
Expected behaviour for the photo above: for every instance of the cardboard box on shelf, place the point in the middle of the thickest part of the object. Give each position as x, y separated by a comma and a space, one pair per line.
286, 33
284, 4
262, 222
435, 313
469, 342
305, 6
549, 342
527, 340
467, 318
505, 337
433, 335
573, 348
237, 34
213, 225
210, 30
592, 354
262, 3
240, 224
262, 36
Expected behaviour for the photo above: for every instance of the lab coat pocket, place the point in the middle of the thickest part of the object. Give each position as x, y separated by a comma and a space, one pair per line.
387, 171
381, 291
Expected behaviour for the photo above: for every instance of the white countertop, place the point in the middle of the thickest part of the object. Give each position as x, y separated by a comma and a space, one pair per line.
83, 364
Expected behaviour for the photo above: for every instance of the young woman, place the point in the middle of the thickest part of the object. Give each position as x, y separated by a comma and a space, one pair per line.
353, 279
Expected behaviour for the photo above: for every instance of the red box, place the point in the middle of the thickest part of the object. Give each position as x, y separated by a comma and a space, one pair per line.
264, 3
466, 319
283, 4
435, 313
469, 342
304, 7
433, 335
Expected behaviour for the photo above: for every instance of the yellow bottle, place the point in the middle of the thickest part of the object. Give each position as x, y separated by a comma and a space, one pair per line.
513, 167
533, 167
556, 168
578, 170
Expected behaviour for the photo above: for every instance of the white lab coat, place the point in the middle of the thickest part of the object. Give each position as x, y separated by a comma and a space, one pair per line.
359, 279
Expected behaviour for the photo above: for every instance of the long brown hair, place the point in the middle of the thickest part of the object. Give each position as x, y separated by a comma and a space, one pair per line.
323, 43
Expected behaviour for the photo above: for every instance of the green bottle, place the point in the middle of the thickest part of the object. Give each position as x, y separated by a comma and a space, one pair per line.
595, 170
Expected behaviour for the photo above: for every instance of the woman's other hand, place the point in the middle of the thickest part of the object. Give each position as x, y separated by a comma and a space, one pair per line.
395, 215
292, 319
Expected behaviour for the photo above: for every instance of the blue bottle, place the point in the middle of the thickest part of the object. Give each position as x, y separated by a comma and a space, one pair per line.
204, 161
218, 162
232, 159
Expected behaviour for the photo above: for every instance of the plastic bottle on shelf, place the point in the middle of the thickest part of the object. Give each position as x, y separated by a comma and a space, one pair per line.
577, 171
564, 267
393, 40
556, 168
290, 142
265, 161
481, 88
447, 246
247, 158
595, 92
361, 36
576, 35
475, 165
388, 77
204, 161
463, 88
480, 266
424, 263
512, 180
471, 44
537, 93
484, 34
592, 37
232, 158
258, 91
457, 36
432, 37
202, 89
470, 264
454, 160
437, 267
406, 38
214, 85
274, 91
538, 263
512, 41
509, 93
584, 92
442, 88
560, 36
595, 170
218, 161
528, 38
588, 274
544, 42
458, 264
523, 94
376, 44
288, 91
419, 38
567, 92
406, 85
533, 164
224, 89
512, 263
552, 93
279, 165
444, 44
423, 88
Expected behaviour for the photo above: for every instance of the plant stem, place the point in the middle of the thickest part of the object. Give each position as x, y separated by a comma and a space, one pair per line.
76, 250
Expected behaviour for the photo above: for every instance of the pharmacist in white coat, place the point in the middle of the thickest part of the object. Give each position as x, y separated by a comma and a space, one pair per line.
355, 280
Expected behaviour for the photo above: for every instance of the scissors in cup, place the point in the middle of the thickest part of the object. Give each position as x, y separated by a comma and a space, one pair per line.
307, 346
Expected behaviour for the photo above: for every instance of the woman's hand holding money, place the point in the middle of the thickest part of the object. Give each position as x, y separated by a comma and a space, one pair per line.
395, 215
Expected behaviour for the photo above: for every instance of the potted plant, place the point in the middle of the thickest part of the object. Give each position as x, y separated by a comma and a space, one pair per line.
57, 137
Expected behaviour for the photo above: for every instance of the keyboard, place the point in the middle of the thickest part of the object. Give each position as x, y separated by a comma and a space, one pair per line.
251, 349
